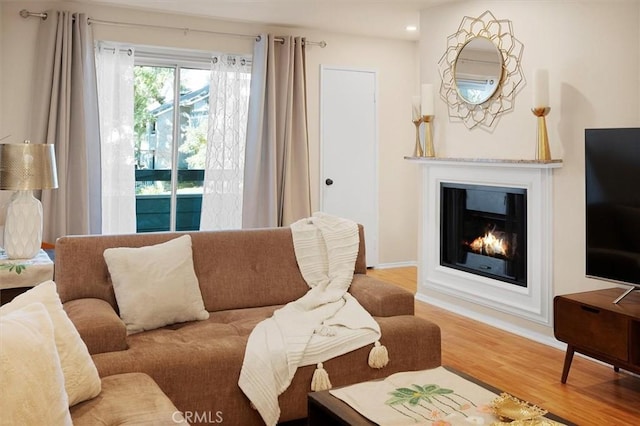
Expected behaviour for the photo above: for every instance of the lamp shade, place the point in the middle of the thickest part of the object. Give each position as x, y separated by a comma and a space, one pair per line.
26, 166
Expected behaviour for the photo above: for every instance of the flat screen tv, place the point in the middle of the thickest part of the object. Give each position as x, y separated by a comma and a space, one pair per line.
612, 183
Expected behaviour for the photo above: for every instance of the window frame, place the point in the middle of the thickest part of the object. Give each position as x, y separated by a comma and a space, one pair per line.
177, 59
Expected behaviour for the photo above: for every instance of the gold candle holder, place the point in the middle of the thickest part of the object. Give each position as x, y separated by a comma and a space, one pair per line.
417, 150
542, 151
429, 150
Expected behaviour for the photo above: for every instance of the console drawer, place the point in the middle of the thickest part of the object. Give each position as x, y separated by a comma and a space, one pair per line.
591, 328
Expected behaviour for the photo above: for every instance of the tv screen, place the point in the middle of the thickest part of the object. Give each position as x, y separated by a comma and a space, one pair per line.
612, 183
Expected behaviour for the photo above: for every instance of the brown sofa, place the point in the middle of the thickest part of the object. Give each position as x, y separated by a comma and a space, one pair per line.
244, 276
127, 399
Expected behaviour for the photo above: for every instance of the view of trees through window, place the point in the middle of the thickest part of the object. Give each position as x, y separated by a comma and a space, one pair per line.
170, 158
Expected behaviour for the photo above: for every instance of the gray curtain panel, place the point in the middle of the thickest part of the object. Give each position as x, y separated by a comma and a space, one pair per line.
276, 174
65, 113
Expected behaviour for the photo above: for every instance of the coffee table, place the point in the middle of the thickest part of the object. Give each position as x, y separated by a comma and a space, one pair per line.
326, 410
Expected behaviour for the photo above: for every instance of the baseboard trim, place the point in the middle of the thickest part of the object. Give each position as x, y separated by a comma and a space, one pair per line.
494, 322
396, 265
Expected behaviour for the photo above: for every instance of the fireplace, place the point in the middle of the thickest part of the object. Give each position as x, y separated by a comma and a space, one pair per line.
483, 231
466, 199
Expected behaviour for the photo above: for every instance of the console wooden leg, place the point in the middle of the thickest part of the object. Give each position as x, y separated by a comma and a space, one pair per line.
567, 363
616, 369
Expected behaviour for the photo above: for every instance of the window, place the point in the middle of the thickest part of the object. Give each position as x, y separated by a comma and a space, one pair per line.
179, 141
171, 111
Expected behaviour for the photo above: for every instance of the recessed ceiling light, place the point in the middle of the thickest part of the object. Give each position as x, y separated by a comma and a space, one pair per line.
411, 28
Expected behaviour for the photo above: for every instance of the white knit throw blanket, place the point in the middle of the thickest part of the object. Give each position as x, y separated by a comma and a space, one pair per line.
326, 322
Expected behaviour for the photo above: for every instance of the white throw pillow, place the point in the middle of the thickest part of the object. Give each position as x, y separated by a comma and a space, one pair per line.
81, 379
31, 380
155, 285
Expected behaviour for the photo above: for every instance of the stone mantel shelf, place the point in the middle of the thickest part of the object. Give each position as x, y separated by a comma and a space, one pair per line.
494, 162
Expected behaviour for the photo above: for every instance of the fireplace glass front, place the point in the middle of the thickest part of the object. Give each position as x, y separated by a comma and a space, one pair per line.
483, 231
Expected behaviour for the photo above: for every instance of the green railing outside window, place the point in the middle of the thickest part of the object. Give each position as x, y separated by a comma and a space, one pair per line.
153, 210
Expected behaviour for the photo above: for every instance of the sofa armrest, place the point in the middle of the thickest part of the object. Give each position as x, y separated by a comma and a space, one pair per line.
99, 325
380, 298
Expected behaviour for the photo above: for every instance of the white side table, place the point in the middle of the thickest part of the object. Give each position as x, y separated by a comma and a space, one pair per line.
16, 273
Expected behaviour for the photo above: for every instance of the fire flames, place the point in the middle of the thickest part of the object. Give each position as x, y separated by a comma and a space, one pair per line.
490, 245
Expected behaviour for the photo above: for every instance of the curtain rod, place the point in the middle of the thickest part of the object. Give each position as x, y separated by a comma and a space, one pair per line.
26, 14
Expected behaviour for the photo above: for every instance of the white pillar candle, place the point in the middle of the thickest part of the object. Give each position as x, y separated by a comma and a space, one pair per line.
415, 108
540, 88
428, 107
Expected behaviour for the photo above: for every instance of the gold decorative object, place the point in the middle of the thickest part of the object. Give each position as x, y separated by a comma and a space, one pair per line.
500, 96
423, 112
417, 151
429, 150
542, 151
538, 421
510, 409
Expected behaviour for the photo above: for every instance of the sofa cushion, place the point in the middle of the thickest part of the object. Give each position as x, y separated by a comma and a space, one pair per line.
155, 285
81, 379
231, 323
197, 364
127, 399
32, 390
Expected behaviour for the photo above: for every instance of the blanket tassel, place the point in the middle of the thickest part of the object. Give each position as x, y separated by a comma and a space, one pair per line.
320, 380
378, 357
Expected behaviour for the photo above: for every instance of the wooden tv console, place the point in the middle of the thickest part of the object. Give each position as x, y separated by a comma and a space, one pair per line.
591, 324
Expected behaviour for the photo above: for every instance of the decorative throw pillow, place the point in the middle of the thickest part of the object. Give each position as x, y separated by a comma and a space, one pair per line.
81, 379
155, 285
32, 390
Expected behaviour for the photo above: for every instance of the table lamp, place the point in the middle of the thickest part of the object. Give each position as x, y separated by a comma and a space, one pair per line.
23, 168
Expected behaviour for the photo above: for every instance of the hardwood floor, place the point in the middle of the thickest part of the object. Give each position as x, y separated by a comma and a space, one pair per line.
593, 395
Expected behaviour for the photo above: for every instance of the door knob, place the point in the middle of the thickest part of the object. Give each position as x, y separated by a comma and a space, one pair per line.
329, 182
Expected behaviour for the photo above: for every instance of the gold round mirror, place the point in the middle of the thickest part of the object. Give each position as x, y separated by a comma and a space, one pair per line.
478, 70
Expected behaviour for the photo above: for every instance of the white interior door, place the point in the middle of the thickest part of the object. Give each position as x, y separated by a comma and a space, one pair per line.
348, 157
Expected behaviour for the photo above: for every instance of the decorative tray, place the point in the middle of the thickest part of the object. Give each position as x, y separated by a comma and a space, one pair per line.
514, 412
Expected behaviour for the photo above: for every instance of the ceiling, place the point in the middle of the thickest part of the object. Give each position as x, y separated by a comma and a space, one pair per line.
374, 18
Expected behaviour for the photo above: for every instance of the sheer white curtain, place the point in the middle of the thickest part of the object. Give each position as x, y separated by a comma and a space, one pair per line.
114, 64
226, 139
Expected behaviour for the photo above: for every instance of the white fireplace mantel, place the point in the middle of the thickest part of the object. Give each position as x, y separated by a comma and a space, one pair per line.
532, 302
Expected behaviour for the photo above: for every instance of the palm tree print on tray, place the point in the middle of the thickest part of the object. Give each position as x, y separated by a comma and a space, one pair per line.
428, 402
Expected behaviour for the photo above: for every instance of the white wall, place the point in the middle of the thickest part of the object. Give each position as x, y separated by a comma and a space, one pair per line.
1, 67
4, 195
395, 61
592, 51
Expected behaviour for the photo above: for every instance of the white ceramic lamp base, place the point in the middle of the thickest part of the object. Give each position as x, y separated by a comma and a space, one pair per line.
23, 226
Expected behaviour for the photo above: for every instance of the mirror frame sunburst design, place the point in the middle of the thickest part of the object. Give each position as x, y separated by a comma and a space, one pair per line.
500, 32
